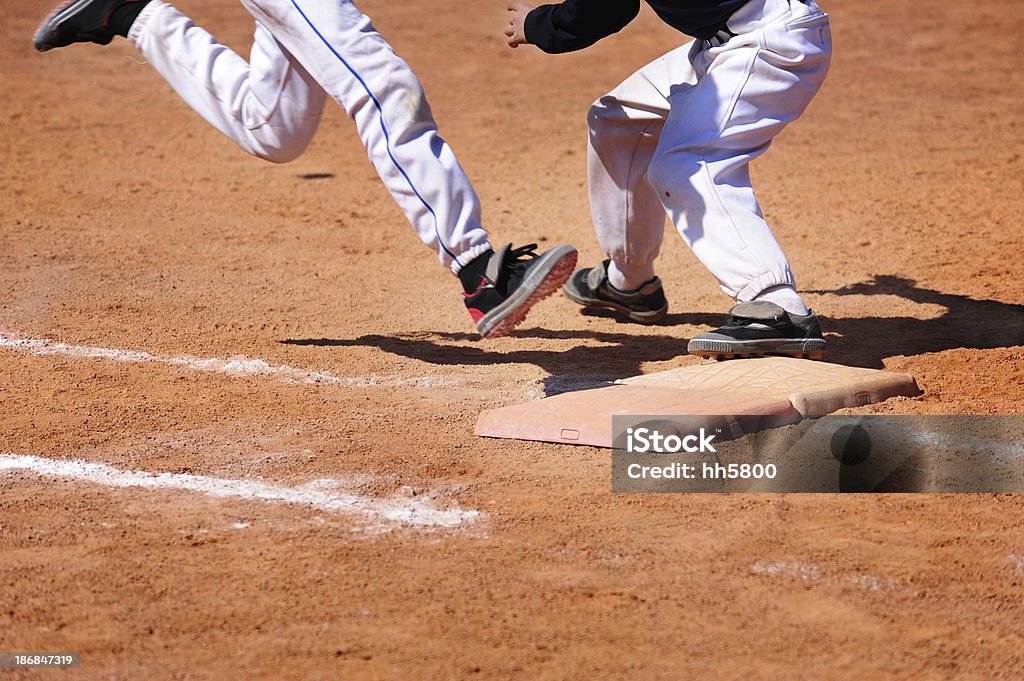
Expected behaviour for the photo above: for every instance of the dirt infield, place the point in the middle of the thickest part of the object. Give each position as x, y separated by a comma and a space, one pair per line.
270, 337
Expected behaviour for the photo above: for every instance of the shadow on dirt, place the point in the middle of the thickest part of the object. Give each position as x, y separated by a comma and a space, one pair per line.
620, 355
968, 323
865, 342
671, 319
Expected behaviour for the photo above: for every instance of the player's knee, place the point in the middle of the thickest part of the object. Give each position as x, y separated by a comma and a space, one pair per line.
278, 154
673, 171
281, 147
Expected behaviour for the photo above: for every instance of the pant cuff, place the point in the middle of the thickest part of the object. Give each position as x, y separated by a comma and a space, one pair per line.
468, 256
139, 25
760, 283
632, 260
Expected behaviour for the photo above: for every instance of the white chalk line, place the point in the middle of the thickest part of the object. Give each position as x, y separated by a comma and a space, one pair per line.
237, 366
809, 572
1002, 452
329, 496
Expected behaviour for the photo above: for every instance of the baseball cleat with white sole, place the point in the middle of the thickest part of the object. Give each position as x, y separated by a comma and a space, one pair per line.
590, 288
514, 281
760, 328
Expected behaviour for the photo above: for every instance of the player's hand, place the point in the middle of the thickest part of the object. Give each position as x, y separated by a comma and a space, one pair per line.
516, 31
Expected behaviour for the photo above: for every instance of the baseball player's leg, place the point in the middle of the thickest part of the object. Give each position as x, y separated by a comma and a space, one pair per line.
340, 48
624, 128
269, 106
749, 90
305, 50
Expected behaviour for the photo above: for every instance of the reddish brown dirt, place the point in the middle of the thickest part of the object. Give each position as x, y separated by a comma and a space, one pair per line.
126, 223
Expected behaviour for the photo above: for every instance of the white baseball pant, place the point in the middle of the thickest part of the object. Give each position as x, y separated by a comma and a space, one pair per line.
678, 137
270, 106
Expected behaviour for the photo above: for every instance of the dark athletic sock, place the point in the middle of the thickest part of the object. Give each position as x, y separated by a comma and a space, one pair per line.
474, 272
122, 18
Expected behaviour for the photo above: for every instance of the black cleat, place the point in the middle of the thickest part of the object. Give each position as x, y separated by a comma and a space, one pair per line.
80, 21
761, 328
514, 281
589, 287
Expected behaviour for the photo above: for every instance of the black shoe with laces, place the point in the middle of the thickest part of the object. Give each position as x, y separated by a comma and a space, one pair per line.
513, 280
761, 328
87, 21
590, 288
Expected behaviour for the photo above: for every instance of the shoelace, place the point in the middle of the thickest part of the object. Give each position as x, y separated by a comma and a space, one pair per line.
513, 270
521, 256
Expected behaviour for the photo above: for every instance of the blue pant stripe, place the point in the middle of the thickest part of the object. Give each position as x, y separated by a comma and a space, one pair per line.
383, 127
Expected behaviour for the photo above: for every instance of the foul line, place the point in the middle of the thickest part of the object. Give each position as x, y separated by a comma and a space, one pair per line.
809, 572
323, 495
238, 366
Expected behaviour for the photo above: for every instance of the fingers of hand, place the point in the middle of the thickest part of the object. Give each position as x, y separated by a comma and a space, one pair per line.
513, 31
